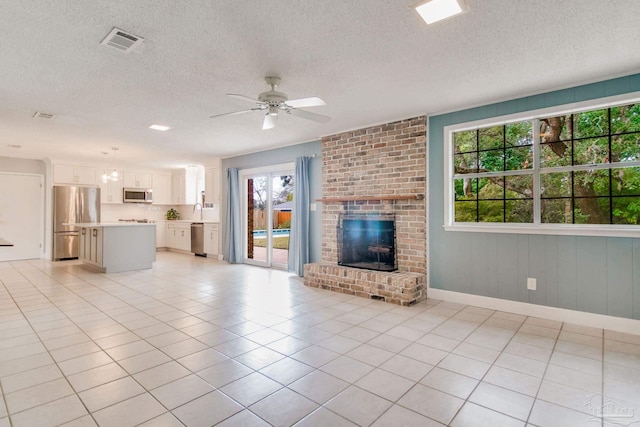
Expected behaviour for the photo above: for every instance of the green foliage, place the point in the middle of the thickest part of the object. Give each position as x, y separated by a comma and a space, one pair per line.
284, 225
278, 242
590, 137
172, 214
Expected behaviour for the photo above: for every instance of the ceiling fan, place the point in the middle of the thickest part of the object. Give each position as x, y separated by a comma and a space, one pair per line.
273, 103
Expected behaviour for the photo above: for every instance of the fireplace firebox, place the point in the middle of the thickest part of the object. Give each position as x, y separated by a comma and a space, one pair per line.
367, 241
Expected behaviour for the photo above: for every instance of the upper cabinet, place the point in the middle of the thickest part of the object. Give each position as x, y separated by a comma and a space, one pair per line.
136, 179
212, 185
111, 191
162, 194
188, 185
73, 174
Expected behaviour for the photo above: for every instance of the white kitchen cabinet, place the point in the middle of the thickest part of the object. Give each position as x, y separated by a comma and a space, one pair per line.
211, 239
73, 174
91, 245
188, 185
161, 234
179, 236
212, 185
137, 179
111, 191
178, 189
162, 194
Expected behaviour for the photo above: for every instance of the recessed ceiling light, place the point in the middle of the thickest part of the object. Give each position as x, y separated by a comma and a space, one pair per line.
437, 10
159, 127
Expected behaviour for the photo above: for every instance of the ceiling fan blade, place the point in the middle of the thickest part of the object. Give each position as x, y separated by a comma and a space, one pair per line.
313, 101
269, 122
309, 115
235, 112
243, 98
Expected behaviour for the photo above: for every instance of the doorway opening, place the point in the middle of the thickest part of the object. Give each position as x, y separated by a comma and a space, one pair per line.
268, 202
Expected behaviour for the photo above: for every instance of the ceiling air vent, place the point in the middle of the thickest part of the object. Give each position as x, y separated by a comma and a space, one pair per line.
39, 115
121, 40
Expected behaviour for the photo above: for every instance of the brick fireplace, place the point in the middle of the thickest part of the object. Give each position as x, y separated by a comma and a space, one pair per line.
380, 170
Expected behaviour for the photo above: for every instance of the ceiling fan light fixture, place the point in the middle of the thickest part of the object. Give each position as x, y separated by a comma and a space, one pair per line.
269, 121
273, 110
436, 10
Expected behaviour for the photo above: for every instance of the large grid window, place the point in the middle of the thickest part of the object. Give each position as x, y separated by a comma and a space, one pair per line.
577, 168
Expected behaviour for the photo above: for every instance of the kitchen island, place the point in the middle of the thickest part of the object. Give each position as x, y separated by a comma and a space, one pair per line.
116, 247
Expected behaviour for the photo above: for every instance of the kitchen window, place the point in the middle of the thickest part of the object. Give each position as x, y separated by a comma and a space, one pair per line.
568, 171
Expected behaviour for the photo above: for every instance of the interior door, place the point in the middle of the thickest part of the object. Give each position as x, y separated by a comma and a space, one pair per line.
267, 200
21, 215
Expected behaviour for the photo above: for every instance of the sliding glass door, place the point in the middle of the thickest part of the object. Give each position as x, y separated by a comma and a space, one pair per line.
267, 207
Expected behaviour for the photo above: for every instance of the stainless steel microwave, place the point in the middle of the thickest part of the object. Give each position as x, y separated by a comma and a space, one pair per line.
137, 195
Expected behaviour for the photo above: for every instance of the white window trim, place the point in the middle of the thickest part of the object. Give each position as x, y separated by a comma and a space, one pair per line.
605, 230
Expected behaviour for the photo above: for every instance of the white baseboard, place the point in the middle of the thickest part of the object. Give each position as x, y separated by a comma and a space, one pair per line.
602, 321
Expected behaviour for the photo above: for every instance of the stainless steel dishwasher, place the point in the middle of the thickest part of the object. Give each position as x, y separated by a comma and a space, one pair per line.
197, 239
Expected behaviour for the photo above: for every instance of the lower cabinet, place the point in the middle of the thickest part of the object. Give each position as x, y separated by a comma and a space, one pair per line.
161, 234
211, 239
91, 245
178, 236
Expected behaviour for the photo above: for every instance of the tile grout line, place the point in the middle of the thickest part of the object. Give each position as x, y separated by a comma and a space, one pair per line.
46, 350
480, 381
76, 393
546, 368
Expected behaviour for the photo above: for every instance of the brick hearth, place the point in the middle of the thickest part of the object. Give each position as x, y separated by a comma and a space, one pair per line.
380, 161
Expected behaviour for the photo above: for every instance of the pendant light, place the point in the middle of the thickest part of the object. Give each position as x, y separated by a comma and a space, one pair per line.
114, 173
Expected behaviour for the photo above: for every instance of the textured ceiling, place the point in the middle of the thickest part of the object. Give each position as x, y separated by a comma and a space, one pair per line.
372, 61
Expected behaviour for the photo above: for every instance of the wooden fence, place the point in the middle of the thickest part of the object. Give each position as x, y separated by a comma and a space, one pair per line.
260, 218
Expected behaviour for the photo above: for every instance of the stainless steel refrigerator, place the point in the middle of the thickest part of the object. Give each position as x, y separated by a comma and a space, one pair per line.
72, 205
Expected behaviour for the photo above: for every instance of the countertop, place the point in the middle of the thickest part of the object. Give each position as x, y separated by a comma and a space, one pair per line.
189, 221
111, 224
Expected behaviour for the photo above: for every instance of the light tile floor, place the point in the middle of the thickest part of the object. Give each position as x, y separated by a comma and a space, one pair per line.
198, 342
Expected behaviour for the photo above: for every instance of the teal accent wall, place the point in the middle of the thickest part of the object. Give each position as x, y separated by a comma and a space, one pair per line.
275, 157
592, 274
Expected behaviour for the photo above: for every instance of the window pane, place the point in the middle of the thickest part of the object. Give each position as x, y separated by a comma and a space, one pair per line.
521, 133
555, 154
491, 161
591, 151
556, 211
492, 137
491, 188
591, 183
465, 211
519, 158
591, 210
465, 163
625, 118
519, 186
491, 211
626, 210
553, 129
465, 141
466, 189
591, 123
519, 211
555, 184
625, 181
625, 148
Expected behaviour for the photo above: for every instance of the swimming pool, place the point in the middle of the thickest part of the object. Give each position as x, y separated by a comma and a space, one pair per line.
280, 232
